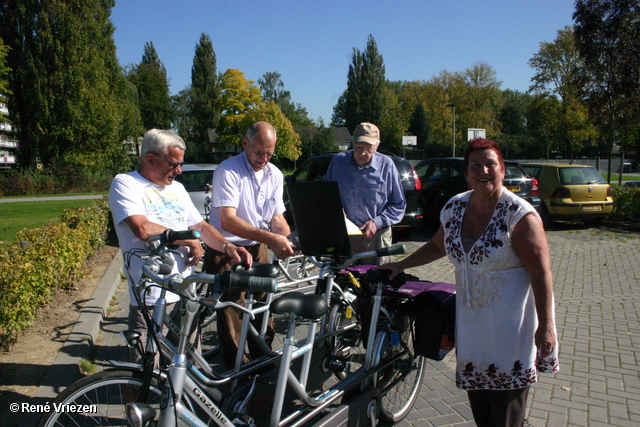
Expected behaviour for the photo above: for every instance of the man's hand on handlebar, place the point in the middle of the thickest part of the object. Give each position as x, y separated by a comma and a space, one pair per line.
239, 254
281, 246
196, 251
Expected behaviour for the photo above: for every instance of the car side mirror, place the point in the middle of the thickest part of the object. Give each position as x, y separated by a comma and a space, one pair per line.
289, 178
208, 188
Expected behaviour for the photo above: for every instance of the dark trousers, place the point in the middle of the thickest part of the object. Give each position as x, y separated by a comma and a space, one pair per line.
499, 408
229, 319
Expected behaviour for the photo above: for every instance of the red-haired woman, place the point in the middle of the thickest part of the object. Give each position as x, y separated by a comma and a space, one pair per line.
505, 318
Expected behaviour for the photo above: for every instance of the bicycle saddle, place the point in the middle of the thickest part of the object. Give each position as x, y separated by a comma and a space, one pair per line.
310, 306
376, 276
259, 270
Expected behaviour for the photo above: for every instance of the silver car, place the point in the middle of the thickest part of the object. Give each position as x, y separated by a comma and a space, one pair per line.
197, 180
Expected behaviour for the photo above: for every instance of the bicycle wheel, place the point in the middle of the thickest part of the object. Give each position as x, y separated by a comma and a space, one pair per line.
107, 393
346, 349
400, 381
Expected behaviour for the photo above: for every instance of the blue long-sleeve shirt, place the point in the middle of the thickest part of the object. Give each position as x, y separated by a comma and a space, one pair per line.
371, 192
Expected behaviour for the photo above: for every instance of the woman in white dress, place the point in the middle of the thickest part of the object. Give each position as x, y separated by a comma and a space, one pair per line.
505, 318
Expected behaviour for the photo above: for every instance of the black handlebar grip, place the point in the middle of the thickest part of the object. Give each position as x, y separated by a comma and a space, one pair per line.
391, 250
170, 236
231, 281
164, 269
262, 284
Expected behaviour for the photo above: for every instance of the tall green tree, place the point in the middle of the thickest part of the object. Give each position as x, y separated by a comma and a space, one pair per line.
237, 96
205, 91
514, 139
364, 98
272, 89
607, 35
480, 102
183, 121
4, 75
69, 97
420, 127
150, 78
556, 66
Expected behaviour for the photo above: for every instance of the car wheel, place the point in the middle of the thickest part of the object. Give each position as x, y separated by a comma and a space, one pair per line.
547, 222
592, 222
400, 234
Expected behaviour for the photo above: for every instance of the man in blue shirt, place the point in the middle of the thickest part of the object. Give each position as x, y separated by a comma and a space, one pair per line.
370, 190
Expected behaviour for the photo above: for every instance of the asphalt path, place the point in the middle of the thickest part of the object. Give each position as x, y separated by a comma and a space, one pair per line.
50, 198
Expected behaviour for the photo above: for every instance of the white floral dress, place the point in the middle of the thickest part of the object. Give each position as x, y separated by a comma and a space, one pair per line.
495, 313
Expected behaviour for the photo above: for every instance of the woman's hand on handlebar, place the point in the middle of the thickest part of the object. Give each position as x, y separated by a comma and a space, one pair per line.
395, 268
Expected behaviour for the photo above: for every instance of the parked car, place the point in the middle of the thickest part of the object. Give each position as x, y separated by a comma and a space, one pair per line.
571, 191
443, 178
315, 168
197, 180
632, 184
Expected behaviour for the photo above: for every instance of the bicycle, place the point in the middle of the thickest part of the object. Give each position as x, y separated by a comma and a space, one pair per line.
390, 367
204, 395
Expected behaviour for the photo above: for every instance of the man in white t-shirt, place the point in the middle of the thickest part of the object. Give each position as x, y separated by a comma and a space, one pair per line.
247, 208
148, 201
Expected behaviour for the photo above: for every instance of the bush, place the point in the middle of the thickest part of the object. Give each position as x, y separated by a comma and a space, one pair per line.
626, 204
42, 259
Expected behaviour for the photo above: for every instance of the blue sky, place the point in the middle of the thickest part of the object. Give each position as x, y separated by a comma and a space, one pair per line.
310, 42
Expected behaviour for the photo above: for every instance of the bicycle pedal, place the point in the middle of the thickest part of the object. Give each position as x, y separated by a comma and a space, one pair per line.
336, 364
243, 420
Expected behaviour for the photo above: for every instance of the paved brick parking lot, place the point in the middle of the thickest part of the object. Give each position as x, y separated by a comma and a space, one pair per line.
597, 284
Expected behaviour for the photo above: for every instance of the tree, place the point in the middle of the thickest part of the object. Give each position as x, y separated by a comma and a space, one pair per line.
4, 75
481, 99
183, 122
288, 141
514, 138
150, 78
237, 96
69, 99
364, 98
204, 94
419, 126
272, 88
557, 65
543, 117
607, 35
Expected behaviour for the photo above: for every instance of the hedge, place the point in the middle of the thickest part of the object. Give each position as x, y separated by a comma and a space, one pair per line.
626, 204
40, 260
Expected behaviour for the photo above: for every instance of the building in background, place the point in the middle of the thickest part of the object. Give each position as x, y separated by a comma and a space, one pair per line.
8, 143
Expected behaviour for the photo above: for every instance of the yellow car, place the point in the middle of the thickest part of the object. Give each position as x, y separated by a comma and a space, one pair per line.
571, 191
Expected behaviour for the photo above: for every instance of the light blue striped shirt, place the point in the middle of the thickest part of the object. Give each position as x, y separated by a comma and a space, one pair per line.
235, 184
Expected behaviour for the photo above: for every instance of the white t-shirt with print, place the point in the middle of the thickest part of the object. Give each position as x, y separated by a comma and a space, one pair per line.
170, 206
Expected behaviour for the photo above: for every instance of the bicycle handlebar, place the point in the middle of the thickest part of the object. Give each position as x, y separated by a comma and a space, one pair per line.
398, 249
391, 250
227, 281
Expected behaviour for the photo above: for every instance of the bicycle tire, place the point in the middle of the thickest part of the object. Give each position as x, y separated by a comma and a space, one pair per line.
400, 382
106, 390
347, 344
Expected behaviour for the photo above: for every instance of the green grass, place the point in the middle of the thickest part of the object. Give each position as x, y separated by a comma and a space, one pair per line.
14, 216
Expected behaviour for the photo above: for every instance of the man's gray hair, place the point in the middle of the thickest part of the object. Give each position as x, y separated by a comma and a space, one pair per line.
158, 141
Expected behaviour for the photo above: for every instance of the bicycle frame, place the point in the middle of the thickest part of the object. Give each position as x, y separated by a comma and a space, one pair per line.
184, 379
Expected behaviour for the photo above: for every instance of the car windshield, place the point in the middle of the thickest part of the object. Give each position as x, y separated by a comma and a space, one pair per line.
195, 180
581, 176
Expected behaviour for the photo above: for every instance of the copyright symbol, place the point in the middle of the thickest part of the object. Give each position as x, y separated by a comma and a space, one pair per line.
14, 407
